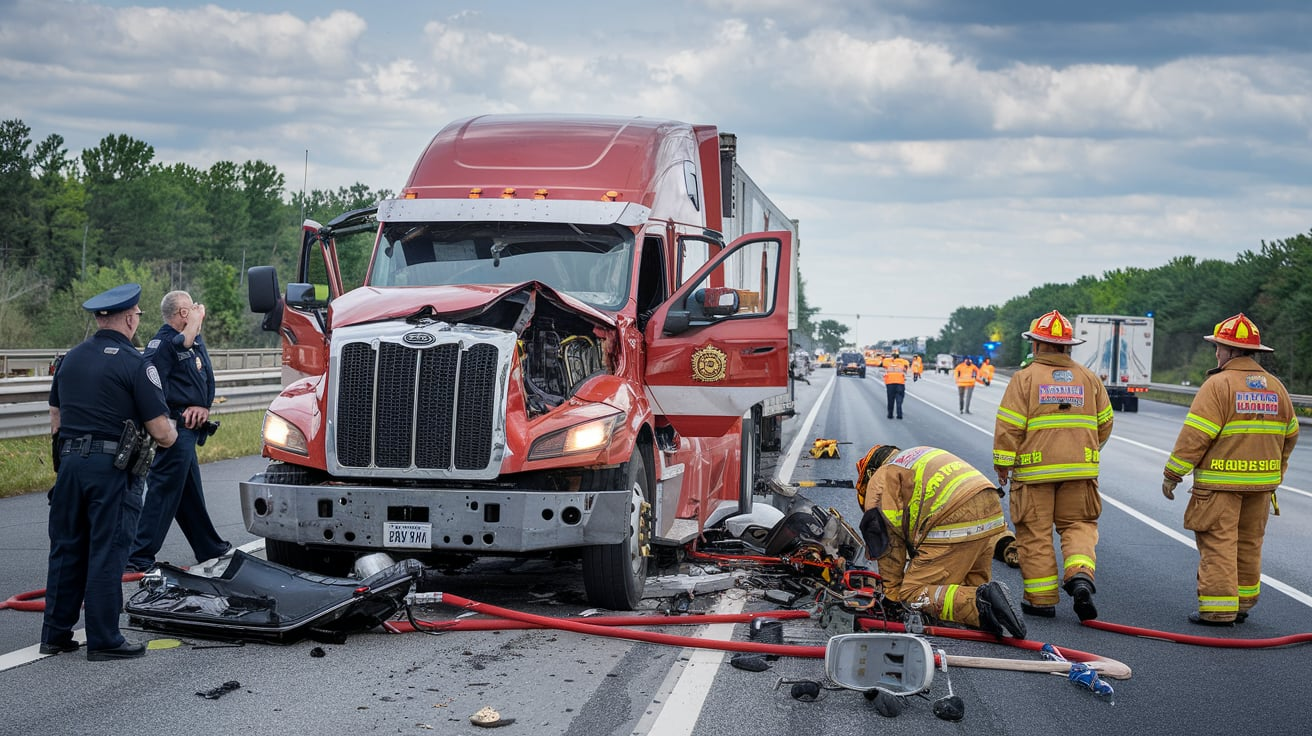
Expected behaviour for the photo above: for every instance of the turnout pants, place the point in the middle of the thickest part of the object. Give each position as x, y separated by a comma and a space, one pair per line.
943, 577
1229, 527
1073, 507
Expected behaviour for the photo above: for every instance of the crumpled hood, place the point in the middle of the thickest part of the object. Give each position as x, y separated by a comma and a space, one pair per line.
450, 303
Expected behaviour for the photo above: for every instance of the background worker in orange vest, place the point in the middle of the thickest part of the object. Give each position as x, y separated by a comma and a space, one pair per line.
1236, 440
1051, 425
935, 557
985, 372
895, 381
965, 373
917, 367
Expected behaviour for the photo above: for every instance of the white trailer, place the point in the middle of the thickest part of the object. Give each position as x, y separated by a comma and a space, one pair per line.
1119, 350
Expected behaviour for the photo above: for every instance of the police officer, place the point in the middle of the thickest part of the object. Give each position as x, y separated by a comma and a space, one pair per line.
93, 512
173, 488
1236, 441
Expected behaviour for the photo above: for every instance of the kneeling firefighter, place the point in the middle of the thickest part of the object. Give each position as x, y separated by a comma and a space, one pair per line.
932, 523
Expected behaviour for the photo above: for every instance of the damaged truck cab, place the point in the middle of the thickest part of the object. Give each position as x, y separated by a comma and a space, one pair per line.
554, 348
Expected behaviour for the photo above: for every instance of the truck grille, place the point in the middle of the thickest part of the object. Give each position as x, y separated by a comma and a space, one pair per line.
431, 411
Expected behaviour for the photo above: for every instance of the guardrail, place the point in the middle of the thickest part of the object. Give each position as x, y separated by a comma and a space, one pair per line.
37, 362
25, 408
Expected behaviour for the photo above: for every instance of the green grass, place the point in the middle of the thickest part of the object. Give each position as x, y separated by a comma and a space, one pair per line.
25, 461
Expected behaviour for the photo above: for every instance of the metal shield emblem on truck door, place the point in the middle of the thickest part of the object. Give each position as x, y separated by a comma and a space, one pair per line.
708, 364
719, 345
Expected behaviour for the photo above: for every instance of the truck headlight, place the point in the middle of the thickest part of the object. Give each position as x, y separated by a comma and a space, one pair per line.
586, 437
284, 435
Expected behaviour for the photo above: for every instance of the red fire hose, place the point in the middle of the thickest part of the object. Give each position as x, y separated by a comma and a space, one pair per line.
35, 600
1201, 641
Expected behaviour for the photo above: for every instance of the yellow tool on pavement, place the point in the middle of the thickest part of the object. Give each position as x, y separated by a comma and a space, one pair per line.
826, 448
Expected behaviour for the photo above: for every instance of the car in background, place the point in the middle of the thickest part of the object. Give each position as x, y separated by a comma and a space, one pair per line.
824, 360
852, 364
944, 363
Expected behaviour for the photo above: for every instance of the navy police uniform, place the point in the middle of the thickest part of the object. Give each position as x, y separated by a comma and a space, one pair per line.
93, 511
173, 488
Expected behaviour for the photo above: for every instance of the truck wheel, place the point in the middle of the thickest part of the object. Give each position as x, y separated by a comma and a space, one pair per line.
615, 574
331, 562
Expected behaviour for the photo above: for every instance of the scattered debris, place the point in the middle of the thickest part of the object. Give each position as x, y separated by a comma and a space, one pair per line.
318, 652
220, 691
749, 662
488, 718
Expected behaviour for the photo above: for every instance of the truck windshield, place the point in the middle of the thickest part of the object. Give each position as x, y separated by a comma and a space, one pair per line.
591, 263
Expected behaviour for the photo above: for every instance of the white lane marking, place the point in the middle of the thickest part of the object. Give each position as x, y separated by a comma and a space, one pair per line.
1267, 580
683, 693
678, 702
784, 470
25, 655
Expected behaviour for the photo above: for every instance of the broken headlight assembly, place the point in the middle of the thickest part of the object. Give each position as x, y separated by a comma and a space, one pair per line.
589, 436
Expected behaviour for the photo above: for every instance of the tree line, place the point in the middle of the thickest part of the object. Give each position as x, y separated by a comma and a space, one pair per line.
72, 226
1186, 298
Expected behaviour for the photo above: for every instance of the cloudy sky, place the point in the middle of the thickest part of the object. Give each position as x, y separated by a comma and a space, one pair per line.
938, 153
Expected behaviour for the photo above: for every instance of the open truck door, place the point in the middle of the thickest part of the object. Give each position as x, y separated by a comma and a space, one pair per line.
719, 345
300, 315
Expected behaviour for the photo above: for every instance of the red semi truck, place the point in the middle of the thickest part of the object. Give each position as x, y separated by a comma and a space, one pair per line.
555, 348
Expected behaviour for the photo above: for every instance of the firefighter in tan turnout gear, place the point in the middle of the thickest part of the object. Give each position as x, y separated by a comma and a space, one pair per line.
1051, 426
1236, 440
930, 521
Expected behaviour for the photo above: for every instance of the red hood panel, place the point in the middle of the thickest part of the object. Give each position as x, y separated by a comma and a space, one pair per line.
374, 304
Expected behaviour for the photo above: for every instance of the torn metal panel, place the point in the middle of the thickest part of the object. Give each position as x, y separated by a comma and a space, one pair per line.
257, 600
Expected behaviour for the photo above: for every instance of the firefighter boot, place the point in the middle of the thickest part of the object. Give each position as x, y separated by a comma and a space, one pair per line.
997, 613
1081, 589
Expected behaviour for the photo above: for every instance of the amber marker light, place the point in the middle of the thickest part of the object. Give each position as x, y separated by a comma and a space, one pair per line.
540, 194
476, 193
508, 193
610, 196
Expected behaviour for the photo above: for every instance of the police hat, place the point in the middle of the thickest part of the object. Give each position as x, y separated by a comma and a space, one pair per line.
116, 299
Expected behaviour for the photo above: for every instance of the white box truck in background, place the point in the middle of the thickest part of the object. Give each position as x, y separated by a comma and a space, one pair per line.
1119, 350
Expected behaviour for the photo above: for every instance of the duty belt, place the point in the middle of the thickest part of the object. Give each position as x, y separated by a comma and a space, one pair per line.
86, 446
959, 532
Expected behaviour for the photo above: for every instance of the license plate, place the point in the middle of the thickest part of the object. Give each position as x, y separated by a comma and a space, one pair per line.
411, 535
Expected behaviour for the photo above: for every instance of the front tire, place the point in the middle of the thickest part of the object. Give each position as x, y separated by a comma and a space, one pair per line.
614, 575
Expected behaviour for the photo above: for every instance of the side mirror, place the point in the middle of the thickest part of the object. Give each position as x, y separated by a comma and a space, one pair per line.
718, 301
301, 296
262, 288
677, 322
898, 664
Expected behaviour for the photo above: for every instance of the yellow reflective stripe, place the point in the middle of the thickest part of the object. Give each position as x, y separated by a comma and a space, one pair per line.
1218, 603
1079, 561
1250, 591
1253, 426
913, 507
894, 517
966, 529
951, 487
1011, 417
1178, 466
1206, 426
1292, 427
947, 603
1105, 415
1040, 585
1236, 478
1063, 421
1061, 471
1005, 458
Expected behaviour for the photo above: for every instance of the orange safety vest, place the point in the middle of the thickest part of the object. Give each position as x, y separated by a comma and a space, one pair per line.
895, 370
965, 374
917, 365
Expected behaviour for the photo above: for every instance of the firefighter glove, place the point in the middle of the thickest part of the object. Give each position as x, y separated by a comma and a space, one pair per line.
874, 531
1004, 474
1168, 488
